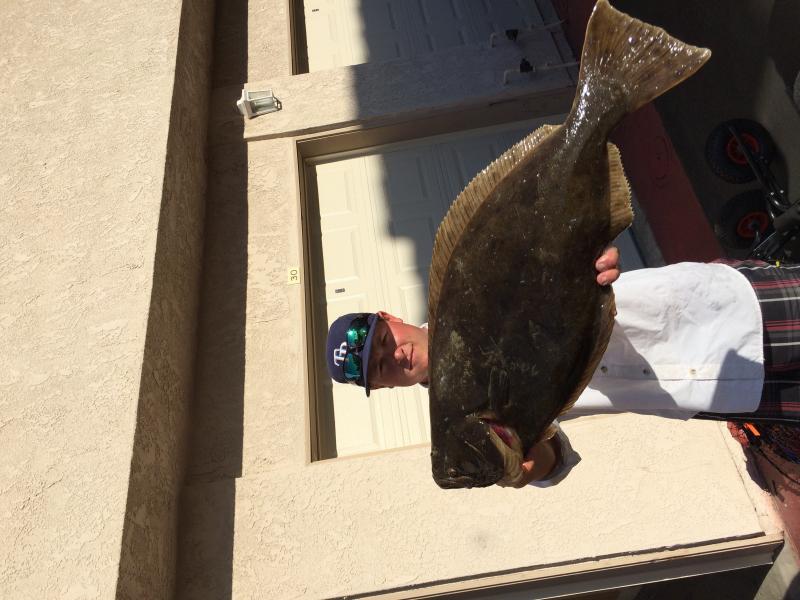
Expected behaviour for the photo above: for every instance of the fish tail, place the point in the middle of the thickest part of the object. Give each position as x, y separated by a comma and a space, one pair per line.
626, 63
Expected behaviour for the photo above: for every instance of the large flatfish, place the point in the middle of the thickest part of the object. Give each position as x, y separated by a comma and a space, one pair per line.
517, 322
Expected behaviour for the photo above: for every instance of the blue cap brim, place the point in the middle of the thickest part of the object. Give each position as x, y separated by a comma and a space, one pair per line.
371, 320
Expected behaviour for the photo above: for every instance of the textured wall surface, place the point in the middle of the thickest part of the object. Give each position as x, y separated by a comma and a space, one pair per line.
379, 522
251, 40
400, 89
149, 554
85, 116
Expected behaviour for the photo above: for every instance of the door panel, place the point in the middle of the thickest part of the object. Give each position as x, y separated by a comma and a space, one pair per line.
349, 32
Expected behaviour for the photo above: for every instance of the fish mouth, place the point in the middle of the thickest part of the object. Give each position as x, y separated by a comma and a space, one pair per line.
469, 456
507, 434
502, 431
509, 444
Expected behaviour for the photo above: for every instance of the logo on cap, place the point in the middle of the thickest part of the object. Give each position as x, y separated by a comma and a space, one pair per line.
339, 354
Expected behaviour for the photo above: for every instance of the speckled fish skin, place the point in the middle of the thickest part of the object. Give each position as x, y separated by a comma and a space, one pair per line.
517, 322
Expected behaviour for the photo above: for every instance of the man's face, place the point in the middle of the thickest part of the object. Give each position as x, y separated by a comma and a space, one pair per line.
399, 354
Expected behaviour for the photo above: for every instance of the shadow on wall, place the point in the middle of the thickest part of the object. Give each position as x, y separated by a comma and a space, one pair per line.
149, 540
206, 528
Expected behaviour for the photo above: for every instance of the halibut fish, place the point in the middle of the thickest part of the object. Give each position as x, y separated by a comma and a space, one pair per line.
517, 322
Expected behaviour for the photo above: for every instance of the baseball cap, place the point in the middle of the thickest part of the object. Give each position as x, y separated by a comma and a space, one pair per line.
339, 349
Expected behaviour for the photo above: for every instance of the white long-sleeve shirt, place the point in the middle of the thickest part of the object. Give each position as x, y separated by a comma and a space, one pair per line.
687, 338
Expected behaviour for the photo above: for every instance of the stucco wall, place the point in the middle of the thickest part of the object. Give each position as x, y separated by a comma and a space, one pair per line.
88, 135
149, 545
100, 241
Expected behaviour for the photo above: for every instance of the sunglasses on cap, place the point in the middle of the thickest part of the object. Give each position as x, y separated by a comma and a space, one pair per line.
355, 337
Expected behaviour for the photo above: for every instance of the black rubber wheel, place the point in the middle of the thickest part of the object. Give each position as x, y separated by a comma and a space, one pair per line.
741, 217
726, 158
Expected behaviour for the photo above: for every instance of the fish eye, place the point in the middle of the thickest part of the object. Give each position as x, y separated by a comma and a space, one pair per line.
452, 472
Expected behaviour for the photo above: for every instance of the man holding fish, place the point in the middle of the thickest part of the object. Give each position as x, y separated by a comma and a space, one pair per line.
740, 314
395, 353
509, 350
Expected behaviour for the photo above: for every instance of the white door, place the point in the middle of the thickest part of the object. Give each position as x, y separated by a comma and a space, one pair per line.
379, 212
349, 32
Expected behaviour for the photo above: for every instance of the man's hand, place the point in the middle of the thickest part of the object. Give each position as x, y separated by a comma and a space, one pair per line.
540, 460
608, 266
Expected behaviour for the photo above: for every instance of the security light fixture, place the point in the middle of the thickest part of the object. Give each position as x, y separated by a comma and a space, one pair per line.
254, 103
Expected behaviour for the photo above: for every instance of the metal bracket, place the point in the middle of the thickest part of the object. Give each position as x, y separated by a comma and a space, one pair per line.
254, 103
519, 35
527, 71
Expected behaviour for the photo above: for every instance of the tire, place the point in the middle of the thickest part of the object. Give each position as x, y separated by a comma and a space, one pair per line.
740, 218
723, 153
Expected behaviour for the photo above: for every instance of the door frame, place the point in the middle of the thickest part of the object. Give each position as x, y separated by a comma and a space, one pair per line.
321, 442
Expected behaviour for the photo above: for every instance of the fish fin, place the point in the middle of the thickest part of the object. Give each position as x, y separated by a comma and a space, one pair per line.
606, 325
626, 63
549, 432
465, 205
621, 211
